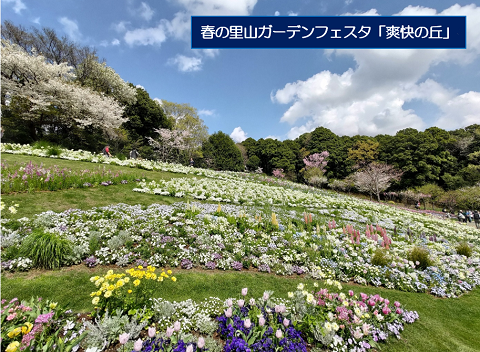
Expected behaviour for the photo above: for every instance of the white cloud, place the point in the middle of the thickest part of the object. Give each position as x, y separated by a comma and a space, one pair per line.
185, 63
348, 2
211, 52
115, 42
146, 36
272, 137
71, 28
238, 135
146, 11
120, 27
291, 13
104, 43
205, 112
370, 98
158, 101
18, 5
36, 20
277, 13
140, 86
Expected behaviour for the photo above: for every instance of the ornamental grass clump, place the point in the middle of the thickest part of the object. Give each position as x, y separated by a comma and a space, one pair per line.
381, 257
46, 250
420, 256
130, 291
463, 248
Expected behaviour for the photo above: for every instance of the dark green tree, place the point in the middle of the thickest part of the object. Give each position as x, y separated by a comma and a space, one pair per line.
221, 152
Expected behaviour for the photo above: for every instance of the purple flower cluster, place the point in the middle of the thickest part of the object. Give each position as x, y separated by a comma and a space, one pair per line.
264, 268
160, 344
237, 266
297, 270
91, 261
186, 264
211, 265
124, 182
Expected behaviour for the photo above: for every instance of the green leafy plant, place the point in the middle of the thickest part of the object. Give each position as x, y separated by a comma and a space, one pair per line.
46, 250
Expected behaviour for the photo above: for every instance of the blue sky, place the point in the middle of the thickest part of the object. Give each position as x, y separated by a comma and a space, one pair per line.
279, 93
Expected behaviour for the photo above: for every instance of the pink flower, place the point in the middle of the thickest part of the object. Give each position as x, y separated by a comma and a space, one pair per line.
228, 312
399, 311
11, 316
169, 332
189, 348
241, 303
247, 323
386, 301
350, 293
363, 296
176, 326
244, 291
201, 342
279, 334
261, 321
386, 310
229, 302
265, 296
397, 304
371, 302
252, 301
286, 322
123, 338
151, 332
137, 346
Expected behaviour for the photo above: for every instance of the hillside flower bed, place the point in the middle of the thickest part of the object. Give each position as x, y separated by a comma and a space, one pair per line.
33, 177
238, 238
318, 317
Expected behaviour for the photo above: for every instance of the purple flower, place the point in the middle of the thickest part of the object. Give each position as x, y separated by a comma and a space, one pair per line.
44, 318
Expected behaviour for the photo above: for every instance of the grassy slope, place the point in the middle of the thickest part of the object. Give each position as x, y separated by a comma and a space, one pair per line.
86, 198
444, 325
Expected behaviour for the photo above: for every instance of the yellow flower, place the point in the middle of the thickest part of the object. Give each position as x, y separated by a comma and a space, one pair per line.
14, 332
27, 328
136, 282
93, 294
120, 283
99, 293
111, 287
174, 278
53, 305
160, 278
107, 294
110, 272
129, 291
139, 267
13, 346
127, 280
169, 272
95, 301
154, 276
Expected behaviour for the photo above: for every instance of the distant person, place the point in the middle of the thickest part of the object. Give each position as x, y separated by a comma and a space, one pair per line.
461, 217
192, 163
417, 206
476, 218
134, 154
469, 215
106, 151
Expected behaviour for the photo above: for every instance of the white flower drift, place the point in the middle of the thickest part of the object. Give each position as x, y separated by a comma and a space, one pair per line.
43, 84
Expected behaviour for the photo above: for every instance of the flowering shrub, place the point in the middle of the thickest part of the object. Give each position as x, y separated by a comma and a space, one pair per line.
37, 325
128, 291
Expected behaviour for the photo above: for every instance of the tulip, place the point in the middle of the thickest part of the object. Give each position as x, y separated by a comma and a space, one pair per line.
279, 334
123, 338
189, 348
261, 321
228, 313
244, 291
151, 332
252, 301
201, 342
169, 332
176, 326
286, 322
137, 346
241, 303
265, 296
229, 302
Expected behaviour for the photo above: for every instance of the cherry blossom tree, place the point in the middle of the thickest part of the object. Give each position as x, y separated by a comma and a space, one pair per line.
375, 178
42, 85
169, 143
315, 168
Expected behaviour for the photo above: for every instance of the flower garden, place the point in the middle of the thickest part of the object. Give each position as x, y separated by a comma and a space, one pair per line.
221, 222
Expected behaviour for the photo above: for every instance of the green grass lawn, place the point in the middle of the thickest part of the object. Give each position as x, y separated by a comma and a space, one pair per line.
444, 324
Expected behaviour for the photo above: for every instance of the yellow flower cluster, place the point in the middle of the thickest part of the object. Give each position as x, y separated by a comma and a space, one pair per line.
111, 282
